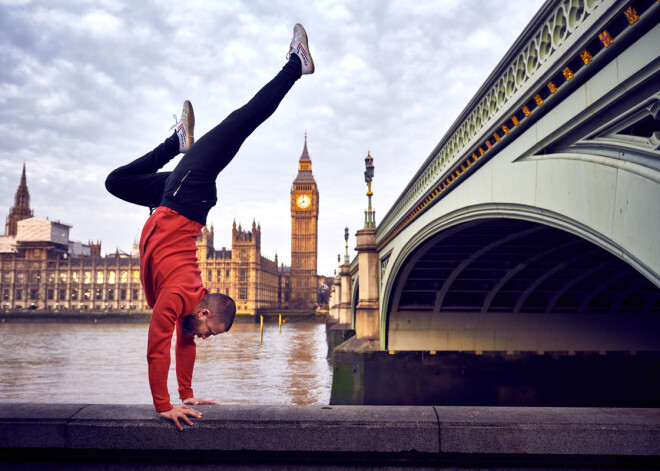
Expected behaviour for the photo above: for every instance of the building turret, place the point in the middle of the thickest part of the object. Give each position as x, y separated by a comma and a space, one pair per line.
21, 209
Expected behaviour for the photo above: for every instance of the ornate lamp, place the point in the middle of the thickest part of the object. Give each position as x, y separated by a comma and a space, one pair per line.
346, 258
369, 214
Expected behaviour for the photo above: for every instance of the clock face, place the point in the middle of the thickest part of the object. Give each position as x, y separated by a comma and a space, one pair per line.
303, 201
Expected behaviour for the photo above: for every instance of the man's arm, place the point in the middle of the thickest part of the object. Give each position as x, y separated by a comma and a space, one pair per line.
186, 351
161, 328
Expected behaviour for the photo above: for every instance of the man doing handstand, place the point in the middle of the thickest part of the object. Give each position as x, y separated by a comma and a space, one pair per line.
180, 201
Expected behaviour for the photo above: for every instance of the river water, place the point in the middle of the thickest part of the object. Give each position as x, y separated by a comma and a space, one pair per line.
106, 364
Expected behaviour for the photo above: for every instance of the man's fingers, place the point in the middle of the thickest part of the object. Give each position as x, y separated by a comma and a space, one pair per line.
187, 420
191, 412
176, 422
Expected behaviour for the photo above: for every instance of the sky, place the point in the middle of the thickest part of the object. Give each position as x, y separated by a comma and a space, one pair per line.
87, 86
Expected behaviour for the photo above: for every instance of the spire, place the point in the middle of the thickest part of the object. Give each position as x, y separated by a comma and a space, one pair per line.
305, 163
21, 209
305, 152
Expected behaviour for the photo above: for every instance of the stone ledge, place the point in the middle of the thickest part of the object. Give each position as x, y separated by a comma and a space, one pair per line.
382, 434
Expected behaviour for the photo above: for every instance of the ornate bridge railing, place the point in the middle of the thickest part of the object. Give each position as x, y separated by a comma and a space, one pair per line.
565, 43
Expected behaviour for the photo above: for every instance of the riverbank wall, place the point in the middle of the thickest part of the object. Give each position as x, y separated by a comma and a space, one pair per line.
51, 436
82, 317
94, 317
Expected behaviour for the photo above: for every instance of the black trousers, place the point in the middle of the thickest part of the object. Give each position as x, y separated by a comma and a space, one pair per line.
190, 188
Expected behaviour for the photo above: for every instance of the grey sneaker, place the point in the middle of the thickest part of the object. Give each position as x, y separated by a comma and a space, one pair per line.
185, 127
300, 47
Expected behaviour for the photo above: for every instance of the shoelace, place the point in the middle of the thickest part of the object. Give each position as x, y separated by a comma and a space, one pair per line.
176, 122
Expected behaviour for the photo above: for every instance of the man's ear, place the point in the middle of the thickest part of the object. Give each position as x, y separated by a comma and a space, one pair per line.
203, 313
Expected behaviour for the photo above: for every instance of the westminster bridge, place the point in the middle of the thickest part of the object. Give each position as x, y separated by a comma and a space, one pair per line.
521, 264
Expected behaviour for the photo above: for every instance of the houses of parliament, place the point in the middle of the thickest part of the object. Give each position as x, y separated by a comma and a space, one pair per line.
42, 269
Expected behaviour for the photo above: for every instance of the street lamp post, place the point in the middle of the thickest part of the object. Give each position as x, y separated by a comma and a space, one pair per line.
369, 214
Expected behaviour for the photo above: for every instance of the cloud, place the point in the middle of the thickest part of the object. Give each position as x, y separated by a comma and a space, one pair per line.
86, 86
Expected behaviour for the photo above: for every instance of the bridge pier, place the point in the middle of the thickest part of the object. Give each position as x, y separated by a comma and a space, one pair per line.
366, 313
341, 329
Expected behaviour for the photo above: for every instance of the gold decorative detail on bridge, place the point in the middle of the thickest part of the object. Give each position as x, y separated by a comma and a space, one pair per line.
631, 15
606, 38
523, 68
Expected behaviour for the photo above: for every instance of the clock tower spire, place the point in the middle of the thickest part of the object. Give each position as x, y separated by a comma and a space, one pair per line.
304, 234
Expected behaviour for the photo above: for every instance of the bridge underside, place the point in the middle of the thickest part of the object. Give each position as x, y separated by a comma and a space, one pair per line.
515, 285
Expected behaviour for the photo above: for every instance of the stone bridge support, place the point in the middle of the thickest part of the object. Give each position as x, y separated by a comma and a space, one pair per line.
367, 312
341, 328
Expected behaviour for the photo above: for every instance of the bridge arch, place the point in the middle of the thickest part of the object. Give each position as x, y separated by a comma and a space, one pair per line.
496, 277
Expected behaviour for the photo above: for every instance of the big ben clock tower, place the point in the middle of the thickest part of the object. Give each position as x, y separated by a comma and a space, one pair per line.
304, 234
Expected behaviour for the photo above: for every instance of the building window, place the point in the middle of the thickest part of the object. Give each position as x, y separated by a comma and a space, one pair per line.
136, 294
122, 294
20, 278
50, 294
227, 274
242, 275
88, 277
62, 295
210, 275
136, 276
34, 294
219, 274
63, 277
19, 294
111, 295
74, 294
124, 277
111, 277
50, 277
99, 294
243, 254
34, 277
6, 277
242, 293
99, 277
5, 295
87, 294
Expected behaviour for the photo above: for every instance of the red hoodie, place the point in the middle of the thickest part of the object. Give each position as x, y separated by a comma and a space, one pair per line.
173, 287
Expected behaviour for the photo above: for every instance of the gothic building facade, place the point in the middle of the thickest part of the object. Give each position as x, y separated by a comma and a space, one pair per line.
252, 280
40, 268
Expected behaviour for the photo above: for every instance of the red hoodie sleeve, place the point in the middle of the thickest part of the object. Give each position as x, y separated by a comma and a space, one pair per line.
163, 321
185, 361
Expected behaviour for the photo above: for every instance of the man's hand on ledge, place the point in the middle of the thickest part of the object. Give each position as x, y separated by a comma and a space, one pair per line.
180, 412
193, 401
